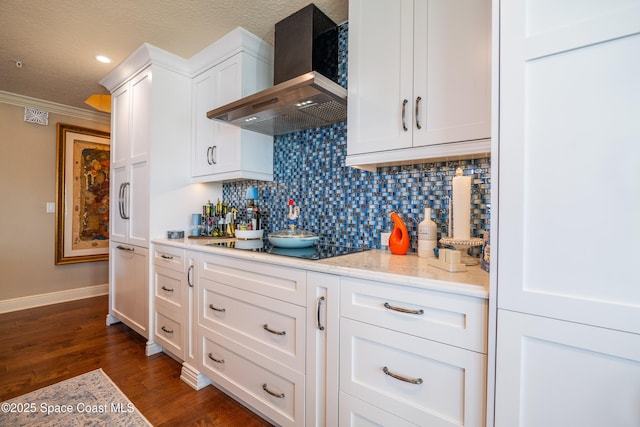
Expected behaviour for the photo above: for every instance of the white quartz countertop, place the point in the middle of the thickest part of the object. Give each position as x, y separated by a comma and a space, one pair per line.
374, 264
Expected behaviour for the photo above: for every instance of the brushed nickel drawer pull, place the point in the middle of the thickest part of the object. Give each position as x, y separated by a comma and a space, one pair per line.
278, 395
319, 305
403, 310
214, 359
124, 248
401, 378
266, 328
221, 310
166, 331
166, 289
418, 99
166, 256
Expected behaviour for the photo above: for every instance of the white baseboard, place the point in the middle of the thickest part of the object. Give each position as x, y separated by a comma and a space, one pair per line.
32, 301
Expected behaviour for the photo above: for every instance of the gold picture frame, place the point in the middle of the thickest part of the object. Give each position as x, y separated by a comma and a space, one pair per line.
82, 188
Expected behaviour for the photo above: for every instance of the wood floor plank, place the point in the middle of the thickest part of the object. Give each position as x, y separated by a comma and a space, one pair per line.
45, 345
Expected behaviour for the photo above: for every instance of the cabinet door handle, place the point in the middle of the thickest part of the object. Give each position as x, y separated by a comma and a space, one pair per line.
209, 150
166, 256
125, 200
418, 99
404, 111
124, 248
167, 331
402, 378
278, 395
189, 274
403, 310
164, 288
319, 305
214, 359
221, 310
274, 332
214, 150
121, 201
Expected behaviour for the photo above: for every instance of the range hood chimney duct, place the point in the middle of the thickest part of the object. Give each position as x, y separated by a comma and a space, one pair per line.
305, 94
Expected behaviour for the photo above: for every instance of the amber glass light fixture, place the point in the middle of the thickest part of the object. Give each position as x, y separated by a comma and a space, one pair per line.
99, 102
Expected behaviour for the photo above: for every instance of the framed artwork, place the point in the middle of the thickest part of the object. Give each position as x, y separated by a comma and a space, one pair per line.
82, 187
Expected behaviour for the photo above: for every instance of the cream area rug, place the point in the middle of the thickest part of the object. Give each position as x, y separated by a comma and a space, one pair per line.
90, 399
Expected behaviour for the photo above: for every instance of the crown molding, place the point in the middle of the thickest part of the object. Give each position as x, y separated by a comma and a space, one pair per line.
53, 107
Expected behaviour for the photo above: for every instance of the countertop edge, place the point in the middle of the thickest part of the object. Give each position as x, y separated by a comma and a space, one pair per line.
451, 284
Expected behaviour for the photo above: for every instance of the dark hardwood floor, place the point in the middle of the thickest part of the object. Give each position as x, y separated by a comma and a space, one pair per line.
45, 345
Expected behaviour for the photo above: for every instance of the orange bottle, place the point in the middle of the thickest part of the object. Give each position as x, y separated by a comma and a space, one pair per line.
399, 240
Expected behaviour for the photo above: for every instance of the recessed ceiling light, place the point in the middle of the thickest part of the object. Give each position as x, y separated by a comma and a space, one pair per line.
103, 59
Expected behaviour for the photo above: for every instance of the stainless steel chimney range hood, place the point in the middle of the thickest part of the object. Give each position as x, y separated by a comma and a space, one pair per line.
305, 94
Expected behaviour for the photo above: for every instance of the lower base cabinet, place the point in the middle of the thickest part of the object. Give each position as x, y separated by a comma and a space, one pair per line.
129, 287
303, 348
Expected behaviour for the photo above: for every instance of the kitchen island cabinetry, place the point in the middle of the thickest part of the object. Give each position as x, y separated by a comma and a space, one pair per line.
418, 356
419, 80
149, 160
221, 151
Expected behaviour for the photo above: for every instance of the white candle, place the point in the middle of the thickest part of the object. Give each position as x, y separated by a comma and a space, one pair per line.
461, 206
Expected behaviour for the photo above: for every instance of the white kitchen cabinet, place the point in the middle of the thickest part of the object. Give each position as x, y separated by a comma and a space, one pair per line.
170, 299
129, 161
149, 169
128, 290
323, 345
419, 80
251, 332
568, 304
221, 151
417, 355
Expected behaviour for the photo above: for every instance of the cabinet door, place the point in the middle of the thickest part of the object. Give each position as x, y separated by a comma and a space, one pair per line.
140, 125
120, 119
380, 75
137, 194
216, 145
323, 342
556, 374
452, 71
203, 128
559, 255
119, 225
129, 286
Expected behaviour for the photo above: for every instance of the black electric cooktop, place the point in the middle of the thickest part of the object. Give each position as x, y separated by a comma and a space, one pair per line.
315, 252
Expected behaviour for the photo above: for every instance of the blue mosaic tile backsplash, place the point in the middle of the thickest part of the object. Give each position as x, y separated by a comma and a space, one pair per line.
351, 207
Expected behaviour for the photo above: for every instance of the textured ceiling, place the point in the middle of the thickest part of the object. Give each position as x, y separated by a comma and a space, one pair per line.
56, 41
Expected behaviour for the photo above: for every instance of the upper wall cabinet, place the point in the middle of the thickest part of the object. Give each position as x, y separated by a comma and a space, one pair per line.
419, 80
236, 66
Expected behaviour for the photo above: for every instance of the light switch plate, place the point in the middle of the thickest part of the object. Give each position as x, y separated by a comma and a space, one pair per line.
384, 239
51, 207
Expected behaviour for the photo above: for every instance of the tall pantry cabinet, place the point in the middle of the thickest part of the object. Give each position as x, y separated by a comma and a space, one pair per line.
149, 173
568, 300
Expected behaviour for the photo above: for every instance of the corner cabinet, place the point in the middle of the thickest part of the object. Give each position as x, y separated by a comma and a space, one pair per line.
419, 80
220, 151
150, 125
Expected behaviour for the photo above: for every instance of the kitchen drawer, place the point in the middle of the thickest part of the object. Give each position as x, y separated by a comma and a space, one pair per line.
356, 413
449, 318
271, 327
284, 283
448, 382
168, 256
167, 287
168, 333
253, 380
